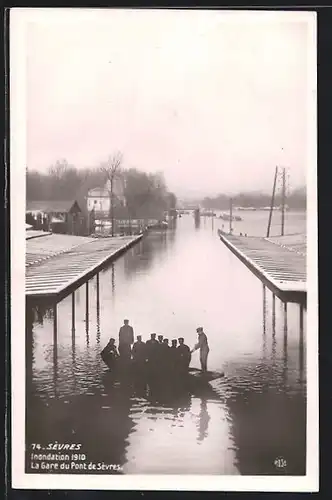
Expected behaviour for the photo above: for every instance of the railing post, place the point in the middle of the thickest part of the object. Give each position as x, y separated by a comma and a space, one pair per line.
273, 313
73, 313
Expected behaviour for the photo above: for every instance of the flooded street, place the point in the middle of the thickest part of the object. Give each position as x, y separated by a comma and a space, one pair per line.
170, 283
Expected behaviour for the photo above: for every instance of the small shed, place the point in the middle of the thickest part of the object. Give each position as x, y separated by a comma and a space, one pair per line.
54, 207
63, 216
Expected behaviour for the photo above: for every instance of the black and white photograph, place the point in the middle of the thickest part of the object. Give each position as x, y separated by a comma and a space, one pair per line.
164, 249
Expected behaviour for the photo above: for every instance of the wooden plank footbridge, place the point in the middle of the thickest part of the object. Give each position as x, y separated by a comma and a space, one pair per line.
57, 264
280, 263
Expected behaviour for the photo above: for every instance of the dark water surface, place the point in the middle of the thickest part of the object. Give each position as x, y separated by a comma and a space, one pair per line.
170, 283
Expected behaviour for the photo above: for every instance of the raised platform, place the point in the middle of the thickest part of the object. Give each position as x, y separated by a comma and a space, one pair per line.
60, 274
280, 268
43, 246
34, 233
294, 242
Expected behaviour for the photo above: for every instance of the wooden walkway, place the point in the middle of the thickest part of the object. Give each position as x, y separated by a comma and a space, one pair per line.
34, 233
58, 274
281, 269
294, 242
48, 245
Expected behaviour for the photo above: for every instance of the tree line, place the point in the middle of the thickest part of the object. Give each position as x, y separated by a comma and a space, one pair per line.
295, 200
144, 193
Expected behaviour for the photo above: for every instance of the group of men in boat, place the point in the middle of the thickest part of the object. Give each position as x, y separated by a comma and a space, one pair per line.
155, 356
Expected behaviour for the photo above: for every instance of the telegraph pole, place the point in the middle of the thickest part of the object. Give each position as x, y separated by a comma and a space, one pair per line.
112, 207
230, 215
272, 202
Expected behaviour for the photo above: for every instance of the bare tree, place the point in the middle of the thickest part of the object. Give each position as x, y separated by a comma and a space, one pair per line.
112, 171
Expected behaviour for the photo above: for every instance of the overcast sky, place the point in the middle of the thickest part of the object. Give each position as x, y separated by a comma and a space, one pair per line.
213, 99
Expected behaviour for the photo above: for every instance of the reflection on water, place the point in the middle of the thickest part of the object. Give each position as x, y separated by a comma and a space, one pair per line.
170, 283
204, 419
113, 277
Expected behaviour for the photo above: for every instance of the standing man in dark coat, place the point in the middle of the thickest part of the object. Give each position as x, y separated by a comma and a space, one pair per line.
139, 354
152, 346
165, 357
139, 349
159, 354
139, 358
126, 338
175, 359
185, 355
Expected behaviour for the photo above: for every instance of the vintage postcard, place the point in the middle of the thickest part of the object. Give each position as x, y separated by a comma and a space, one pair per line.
164, 321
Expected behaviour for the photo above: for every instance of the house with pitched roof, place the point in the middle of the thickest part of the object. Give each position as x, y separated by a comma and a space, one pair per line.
99, 198
59, 216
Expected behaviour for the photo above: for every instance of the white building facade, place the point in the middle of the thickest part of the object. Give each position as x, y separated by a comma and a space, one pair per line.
99, 199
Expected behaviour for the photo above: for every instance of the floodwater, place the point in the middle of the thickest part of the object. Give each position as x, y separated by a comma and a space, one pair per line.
170, 283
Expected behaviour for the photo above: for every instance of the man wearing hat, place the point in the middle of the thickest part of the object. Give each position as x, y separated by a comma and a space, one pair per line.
126, 338
185, 355
152, 346
139, 352
139, 358
203, 347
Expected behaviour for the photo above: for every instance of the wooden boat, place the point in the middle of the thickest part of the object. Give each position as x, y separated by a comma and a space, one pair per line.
194, 380
208, 213
158, 226
227, 217
200, 377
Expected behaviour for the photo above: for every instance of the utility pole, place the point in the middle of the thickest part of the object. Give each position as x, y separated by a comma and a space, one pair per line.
112, 205
272, 202
230, 215
283, 199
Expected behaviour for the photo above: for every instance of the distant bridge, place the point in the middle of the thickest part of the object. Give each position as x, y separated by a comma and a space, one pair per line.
189, 208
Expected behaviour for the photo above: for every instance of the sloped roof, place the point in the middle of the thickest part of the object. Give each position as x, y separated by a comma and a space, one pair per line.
98, 192
54, 206
105, 191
